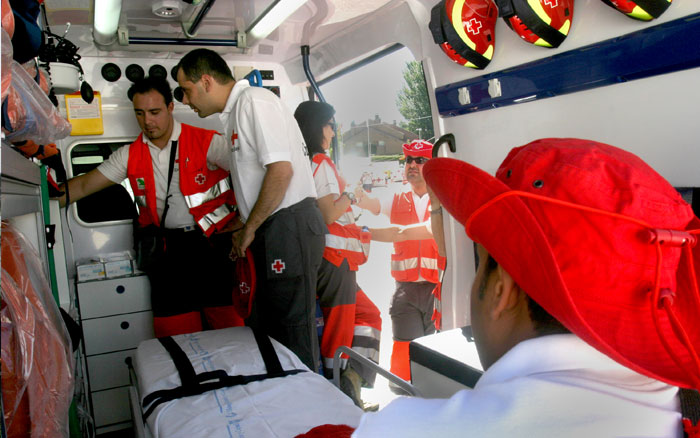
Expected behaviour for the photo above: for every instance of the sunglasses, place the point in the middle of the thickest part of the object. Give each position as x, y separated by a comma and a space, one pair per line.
417, 160
332, 125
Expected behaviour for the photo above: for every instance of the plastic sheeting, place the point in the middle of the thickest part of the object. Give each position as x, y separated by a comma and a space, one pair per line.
30, 113
6, 52
37, 363
8, 18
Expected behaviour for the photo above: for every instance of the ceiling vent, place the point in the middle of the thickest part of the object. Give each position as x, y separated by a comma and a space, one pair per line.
167, 8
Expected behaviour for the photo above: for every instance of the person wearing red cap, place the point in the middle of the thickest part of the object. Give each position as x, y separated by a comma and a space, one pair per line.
585, 304
416, 264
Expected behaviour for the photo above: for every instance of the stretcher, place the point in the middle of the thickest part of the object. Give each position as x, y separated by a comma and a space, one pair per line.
265, 400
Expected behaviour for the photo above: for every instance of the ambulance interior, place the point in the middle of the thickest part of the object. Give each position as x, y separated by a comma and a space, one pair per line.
614, 79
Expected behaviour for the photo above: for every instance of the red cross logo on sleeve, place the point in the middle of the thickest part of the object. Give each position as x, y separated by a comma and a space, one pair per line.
234, 137
200, 178
474, 26
278, 266
244, 288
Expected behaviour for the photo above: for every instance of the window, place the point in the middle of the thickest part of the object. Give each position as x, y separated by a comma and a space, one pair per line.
379, 106
114, 203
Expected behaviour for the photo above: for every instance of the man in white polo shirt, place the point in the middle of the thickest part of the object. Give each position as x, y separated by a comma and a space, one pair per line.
276, 198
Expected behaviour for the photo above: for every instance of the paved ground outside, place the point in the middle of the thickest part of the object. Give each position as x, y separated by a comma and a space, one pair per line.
374, 277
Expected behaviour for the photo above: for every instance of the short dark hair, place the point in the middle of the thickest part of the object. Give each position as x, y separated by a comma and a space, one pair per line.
199, 62
312, 117
150, 83
545, 324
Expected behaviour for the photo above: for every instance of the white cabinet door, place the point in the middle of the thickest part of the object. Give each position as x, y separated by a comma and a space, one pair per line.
111, 406
109, 370
112, 297
119, 332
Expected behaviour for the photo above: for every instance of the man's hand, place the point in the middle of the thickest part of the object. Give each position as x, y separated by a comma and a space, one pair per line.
366, 203
242, 239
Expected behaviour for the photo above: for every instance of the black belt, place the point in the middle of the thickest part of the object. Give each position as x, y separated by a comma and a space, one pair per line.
182, 230
195, 384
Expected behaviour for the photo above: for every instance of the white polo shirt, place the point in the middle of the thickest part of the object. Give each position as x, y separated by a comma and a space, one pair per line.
114, 169
263, 131
548, 387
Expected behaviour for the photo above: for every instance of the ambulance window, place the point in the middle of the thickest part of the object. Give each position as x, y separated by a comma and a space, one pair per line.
380, 104
111, 204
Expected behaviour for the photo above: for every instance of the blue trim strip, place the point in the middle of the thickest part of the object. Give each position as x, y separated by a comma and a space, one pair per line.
665, 48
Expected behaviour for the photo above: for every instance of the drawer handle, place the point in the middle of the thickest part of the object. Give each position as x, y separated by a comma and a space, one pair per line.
120, 289
124, 325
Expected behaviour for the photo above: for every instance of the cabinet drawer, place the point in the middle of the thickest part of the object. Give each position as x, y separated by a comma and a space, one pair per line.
120, 332
110, 297
109, 370
111, 406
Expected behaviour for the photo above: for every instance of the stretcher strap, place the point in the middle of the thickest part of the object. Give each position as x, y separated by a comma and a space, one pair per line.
195, 384
690, 410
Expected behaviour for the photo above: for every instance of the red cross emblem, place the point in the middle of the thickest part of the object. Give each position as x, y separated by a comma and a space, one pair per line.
278, 266
474, 25
551, 3
244, 287
200, 178
234, 137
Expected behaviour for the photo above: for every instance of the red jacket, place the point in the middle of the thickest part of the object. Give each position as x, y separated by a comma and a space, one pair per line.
345, 241
413, 257
208, 193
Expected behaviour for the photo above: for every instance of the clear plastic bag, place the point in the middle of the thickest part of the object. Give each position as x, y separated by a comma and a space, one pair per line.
37, 363
31, 114
6, 50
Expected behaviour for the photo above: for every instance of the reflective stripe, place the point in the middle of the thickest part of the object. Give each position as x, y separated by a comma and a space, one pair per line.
346, 244
367, 331
429, 263
197, 199
214, 217
140, 200
404, 265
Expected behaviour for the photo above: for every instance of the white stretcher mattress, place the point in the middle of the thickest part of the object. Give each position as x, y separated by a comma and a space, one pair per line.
278, 407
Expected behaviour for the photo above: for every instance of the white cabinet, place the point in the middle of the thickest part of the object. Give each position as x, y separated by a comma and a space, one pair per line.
115, 315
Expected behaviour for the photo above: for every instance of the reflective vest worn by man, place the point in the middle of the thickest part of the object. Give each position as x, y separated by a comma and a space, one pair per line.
207, 192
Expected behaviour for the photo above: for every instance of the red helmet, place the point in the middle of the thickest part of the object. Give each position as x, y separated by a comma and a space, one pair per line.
543, 23
464, 29
644, 10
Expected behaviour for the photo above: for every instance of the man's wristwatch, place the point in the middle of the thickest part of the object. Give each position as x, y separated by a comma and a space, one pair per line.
351, 196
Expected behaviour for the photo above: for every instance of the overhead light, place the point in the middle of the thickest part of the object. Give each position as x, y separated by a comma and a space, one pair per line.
273, 16
106, 20
167, 8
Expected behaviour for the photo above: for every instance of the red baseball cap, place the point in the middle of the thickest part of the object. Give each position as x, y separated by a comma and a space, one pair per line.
418, 148
596, 237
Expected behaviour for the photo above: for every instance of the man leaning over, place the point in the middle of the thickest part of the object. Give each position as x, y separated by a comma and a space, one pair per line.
276, 198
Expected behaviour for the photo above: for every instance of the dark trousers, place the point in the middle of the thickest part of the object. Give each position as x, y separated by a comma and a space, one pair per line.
287, 250
193, 274
411, 310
